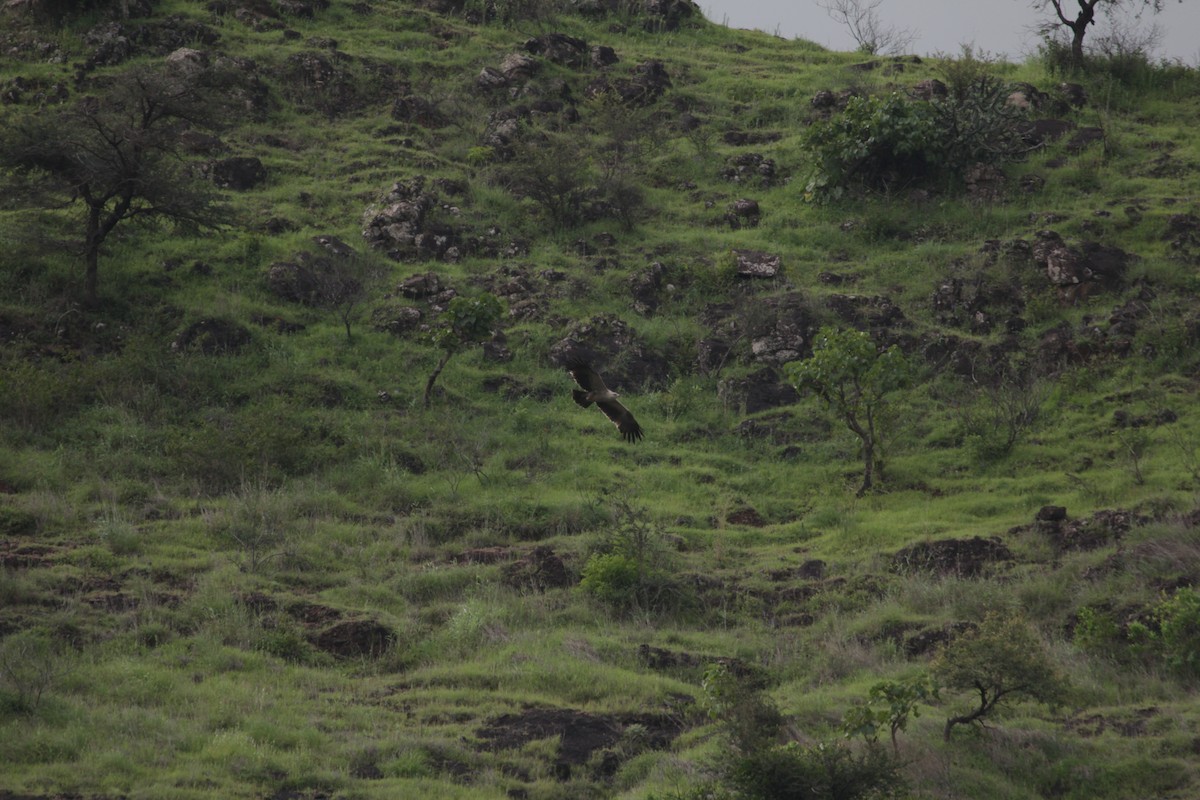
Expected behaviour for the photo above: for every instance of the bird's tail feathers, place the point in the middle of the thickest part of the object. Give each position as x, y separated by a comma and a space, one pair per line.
581, 397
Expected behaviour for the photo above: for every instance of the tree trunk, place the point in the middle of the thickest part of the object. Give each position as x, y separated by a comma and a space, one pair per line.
1077, 34
868, 446
987, 701
92, 255
433, 378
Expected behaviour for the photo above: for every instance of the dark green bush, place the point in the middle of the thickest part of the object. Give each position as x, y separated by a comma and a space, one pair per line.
1178, 618
888, 143
877, 143
630, 569
818, 772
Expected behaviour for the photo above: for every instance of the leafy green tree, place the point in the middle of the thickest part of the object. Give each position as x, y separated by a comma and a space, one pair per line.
117, 153
854, 379
890, 704
1000, 660
467, 321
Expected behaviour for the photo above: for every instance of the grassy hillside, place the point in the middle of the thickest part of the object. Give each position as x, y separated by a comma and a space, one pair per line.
242, 556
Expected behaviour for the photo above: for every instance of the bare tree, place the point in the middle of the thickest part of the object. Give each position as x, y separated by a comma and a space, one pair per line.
870, 33
118, 153
1085, 16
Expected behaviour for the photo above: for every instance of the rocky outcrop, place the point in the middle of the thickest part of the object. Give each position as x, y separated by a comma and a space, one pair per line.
644, 86
613, 348
754, 264
1078, 271
240, 173
212, 337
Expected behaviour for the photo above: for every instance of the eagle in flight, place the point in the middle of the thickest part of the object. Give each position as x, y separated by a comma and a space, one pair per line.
593, 390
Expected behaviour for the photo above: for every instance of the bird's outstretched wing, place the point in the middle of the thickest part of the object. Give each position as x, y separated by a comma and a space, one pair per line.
588, 379
593, 390
622, 418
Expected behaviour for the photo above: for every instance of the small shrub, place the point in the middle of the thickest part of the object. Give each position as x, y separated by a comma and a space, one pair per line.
15, 522
885, 143
750, 720
1178, 618
890, 704
31, 662
287, 643
1097, 632
629, 572
819, 772
1000, 660
996, 416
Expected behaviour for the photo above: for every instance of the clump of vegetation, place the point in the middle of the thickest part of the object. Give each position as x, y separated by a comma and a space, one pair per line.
32, 663
890, 704
759, 765
630, 571
888, 143
854, 379
1001, 660
1167, 633
467, 321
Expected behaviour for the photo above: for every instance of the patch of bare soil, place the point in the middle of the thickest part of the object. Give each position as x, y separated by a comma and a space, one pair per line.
967, 558
354, 638
16, 554
662, 660
1091, 725
6, 795
580, 734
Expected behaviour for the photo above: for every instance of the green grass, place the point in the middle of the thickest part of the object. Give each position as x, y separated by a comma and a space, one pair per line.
186, 526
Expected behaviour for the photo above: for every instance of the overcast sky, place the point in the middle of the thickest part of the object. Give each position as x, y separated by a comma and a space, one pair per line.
999, 27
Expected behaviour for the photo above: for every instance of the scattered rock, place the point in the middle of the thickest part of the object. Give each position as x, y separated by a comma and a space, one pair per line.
748, 517
750, 167
744, 213
759, 391
750, 138
601, 56
1099, 530
928, 89
1041, 131
396, 319
213, 337
579, 734
561, 49
985, 183
355, 638
239, 173
647, 83
1074, 94
417, 110
613, 348
542, 569
750, 264
662, 660
930, 640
